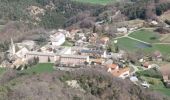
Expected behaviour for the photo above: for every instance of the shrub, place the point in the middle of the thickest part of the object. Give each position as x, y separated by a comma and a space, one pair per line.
150, 73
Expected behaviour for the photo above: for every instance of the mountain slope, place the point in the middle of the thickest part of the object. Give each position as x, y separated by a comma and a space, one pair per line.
96, 85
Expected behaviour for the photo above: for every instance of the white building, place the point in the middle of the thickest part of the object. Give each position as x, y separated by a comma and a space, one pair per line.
122, 30
57, 39
22, 52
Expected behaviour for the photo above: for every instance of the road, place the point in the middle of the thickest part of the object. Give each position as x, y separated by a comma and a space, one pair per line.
127, 35
138, 40
134, 67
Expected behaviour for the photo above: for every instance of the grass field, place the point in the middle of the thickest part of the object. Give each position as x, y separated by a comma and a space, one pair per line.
146, 35
157, 85
101, 2
132, 45
39, 68
149, 36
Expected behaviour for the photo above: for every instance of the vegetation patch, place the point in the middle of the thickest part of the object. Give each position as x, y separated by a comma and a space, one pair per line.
2, 70
68, 43
150, 73
39, 68
157, 85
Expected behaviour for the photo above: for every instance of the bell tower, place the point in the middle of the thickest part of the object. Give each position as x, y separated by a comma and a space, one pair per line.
12, 47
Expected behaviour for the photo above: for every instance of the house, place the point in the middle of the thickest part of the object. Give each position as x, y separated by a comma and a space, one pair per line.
93, 38
116, 71
157, 56
62, 58
17, 52
104, 40
72, 33
93, 53
96, 61
43, 57
5, 64
57, 39
154, 23
18, 62
22, 53
134, 79
165, 70
73, 59
122, 30
146, 65
145, 84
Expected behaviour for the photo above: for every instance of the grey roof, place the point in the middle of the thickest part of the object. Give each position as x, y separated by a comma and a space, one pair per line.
92, 51
53, 54
41, 54
74, 56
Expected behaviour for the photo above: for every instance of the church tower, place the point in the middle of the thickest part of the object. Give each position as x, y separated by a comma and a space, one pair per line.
12, 47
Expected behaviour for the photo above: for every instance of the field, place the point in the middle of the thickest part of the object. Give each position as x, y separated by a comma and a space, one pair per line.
148, 36
157, 85
101, 2
165, 38
39, 68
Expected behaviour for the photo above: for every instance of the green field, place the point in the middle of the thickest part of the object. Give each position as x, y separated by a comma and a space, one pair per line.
101, 2
39, 68
132, 45
157, 85
146, 35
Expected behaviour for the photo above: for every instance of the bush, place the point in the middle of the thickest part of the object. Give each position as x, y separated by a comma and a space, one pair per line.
150, 73
76, 98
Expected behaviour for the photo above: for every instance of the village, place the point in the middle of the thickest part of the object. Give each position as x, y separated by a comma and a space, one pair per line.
75, 49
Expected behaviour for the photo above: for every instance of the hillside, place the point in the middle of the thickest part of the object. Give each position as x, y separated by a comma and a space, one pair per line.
92, 84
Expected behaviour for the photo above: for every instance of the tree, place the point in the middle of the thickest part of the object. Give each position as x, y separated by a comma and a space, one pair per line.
49, 60
116, 48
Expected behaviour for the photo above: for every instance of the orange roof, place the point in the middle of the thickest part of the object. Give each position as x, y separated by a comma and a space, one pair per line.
146, 64
112, 66
120, 71
105, 39
97, 60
